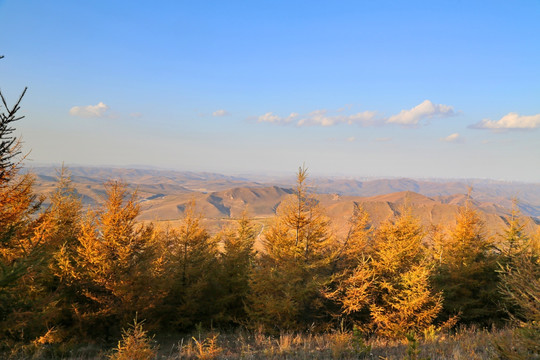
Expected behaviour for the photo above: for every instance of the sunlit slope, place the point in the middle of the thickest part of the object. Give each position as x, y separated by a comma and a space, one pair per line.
164, 195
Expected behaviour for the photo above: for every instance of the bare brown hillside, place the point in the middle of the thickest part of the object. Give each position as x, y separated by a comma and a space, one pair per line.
164, 196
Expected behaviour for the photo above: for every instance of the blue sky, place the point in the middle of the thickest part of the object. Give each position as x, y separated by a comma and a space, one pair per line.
447, 89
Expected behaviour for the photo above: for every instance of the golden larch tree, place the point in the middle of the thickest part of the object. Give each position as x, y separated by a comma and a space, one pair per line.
288, 281
351, 274
466, 271
20, 251
236, 261
391, 282
519, 285
192, 263
113, 265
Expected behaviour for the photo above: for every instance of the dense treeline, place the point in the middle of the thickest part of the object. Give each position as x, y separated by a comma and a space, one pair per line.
74, 275
70, 274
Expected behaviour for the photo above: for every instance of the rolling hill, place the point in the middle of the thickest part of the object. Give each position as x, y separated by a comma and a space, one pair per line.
164, 195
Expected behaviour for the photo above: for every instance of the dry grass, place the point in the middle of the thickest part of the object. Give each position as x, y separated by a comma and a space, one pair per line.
463, 344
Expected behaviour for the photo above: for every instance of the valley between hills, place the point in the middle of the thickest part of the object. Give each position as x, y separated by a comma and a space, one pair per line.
220, 199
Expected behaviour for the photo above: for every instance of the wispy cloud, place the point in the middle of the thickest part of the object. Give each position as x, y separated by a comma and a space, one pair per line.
453, 138
90, 111
383, 139
321, 118
220, 112
425, 110
351, 139
270, 117
510, 121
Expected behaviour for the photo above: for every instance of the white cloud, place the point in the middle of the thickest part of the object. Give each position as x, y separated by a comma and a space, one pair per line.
220, 112
425, 110
323, 117
363, 118
383, 139
89, 111
276, 119
320, 118
455, 138
510, 121
351, 139
317, 117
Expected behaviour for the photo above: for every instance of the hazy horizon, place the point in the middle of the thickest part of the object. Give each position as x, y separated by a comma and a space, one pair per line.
264, 175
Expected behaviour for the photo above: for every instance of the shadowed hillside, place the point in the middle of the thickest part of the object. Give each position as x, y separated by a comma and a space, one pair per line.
164, 196
151, 182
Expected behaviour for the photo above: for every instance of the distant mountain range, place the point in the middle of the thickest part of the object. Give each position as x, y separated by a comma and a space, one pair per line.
164, 195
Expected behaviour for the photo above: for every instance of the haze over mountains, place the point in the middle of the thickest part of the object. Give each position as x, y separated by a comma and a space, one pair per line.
165, 194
